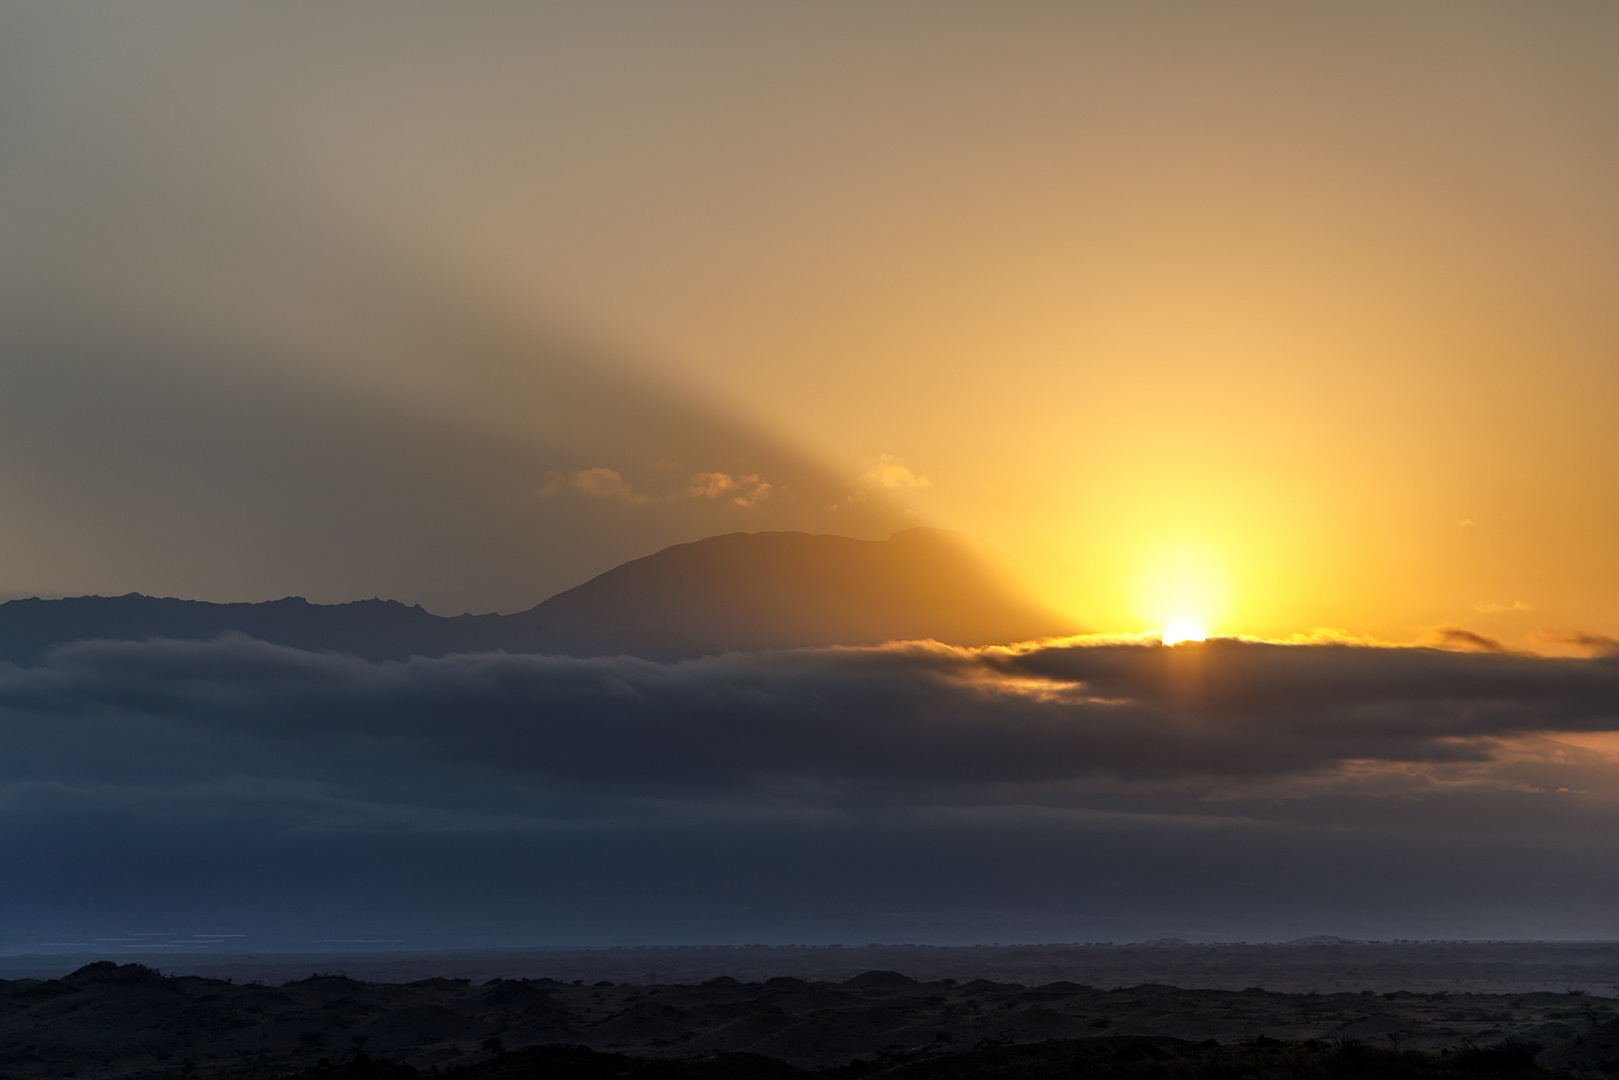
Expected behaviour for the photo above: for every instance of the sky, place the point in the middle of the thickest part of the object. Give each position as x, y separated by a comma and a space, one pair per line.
1296, 322
1271, 318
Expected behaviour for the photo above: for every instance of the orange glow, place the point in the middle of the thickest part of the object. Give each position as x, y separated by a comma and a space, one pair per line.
1187, 317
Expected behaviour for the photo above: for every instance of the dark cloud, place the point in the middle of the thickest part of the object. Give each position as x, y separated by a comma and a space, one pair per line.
916, 791
912, 716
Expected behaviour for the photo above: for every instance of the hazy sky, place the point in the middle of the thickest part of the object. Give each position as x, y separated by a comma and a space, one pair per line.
1273, 316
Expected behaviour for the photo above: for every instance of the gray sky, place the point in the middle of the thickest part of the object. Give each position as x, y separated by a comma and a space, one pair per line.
232, 371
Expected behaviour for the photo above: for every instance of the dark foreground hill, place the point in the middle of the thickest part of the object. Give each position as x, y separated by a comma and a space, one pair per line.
743, 591
127, 1022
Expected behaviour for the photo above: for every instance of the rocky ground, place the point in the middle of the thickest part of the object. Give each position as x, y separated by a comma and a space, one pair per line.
106, 1020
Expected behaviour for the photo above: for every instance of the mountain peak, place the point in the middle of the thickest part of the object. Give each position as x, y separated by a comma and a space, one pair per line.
744, 591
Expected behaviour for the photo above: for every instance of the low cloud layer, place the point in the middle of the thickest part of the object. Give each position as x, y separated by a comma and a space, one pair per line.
918, 715
1301, 764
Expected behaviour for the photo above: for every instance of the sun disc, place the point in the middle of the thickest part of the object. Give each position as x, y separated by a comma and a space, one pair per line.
1183, 630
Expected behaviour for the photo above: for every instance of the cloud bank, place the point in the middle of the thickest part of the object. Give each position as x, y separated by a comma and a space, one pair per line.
918, 714
917, 791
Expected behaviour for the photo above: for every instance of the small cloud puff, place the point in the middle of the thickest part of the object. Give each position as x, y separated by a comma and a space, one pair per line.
1460, 639
888, 471
1495, 609
746, 491
595, 483
1574, 643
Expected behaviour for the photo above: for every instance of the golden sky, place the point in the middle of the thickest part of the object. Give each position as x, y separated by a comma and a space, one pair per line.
1273, 317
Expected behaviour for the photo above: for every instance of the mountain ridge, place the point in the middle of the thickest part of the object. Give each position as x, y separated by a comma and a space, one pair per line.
731, 592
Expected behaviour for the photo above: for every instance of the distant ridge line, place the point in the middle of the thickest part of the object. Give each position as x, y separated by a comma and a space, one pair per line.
735, 592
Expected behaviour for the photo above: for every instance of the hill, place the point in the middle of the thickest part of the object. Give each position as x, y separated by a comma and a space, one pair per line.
738, 592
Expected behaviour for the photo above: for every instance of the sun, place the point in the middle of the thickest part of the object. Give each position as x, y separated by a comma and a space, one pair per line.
1183, 585
1183, 630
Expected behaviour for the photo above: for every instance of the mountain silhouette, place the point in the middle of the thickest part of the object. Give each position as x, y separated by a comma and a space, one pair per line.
737, 592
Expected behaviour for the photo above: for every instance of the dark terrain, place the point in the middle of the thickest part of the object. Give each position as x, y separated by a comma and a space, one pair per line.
742, 591
1318, 965
107, 1020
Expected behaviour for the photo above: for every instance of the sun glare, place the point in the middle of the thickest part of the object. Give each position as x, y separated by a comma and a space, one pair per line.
1183, 630
1182, 586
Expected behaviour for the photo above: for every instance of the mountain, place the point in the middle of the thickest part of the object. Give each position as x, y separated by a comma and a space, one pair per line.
741, 591
778, 590
376, 629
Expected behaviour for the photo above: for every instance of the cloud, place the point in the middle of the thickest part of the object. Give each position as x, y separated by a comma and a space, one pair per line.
1597, 644
920, 716
1456, 637
1573, 643
746, 491
888, 471
1495, 609
816, 788
597, 483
